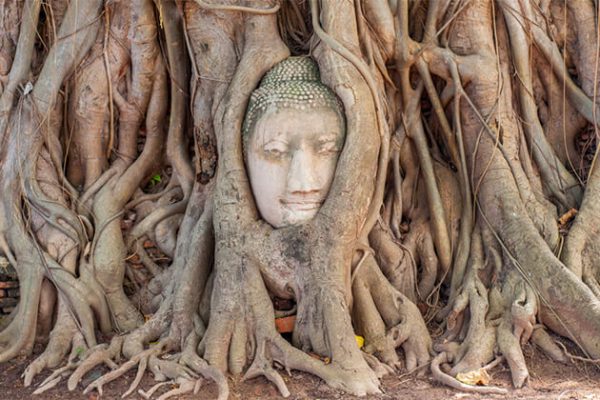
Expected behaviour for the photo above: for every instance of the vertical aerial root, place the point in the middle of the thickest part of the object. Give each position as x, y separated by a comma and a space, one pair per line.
516, 325
262, 365
405, 323
478, 346
19, 335
83, 301
46, 310
396, 262
369, 324
63, 337
77, 349
510, 347
523, 311
190, 358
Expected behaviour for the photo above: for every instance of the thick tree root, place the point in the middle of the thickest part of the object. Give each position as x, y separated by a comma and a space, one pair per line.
246, 321
63, 338
388, 319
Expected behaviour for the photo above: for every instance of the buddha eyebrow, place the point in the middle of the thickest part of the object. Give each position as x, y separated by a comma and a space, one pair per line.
328, 138
275, 140
274, 135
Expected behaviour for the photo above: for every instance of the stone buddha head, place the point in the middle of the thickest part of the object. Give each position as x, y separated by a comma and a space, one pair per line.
293, 134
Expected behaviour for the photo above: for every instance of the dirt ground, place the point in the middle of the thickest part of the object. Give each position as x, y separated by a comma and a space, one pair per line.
549, 380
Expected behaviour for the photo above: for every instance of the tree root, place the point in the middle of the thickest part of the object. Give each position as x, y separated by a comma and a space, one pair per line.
77, 351
101, 354
244, 329
448, 380
376, 298
19, 335
542, 339
64, 337
61, 208
182, 368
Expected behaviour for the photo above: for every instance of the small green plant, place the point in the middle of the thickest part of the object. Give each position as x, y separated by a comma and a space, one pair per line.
79, 351
155, 180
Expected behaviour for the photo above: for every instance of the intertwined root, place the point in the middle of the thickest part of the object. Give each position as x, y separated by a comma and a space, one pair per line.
64, 339
389, 320
242, 331
489, 326
186, 368
448, 380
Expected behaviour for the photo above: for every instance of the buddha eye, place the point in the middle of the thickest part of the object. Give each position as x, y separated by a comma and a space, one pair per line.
275, 153
275, 149
329, 147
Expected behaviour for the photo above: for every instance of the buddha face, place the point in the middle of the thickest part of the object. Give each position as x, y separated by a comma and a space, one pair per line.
291, 158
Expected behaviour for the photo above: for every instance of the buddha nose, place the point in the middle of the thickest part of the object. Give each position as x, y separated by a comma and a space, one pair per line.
302, 175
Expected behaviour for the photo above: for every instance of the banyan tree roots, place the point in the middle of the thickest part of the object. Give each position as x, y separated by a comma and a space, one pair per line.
462, 222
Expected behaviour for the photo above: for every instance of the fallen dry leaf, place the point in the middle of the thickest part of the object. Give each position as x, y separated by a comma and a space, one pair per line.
476, 377
567, 217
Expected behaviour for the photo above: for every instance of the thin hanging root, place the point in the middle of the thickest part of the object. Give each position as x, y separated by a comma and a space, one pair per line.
574, 357
250, 10
456, 384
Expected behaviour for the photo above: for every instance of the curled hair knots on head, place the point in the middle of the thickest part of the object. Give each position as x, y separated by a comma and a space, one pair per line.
293, 83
